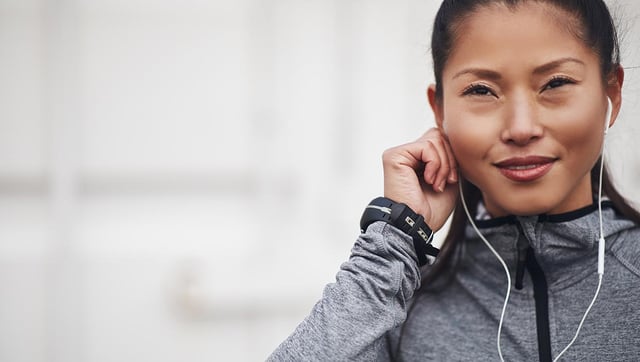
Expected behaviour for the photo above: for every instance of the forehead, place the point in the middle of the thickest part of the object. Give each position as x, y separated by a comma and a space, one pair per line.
530, 33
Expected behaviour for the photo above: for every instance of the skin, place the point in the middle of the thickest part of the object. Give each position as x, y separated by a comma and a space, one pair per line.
516, 84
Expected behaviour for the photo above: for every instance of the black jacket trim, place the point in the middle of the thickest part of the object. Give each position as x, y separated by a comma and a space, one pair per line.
554, 218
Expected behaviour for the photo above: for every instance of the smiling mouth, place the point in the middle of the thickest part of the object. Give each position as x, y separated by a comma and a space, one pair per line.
525, 169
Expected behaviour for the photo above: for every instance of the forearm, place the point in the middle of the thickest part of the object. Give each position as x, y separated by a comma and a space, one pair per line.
368, 299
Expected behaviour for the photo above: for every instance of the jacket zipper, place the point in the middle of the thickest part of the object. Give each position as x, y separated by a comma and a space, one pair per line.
526, 258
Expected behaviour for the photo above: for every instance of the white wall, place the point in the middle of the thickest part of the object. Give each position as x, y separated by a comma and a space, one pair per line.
179, 179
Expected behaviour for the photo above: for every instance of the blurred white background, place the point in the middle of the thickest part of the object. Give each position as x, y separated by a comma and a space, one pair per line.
179, 179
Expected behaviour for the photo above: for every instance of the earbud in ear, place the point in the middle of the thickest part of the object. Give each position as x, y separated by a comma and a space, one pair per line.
608, 117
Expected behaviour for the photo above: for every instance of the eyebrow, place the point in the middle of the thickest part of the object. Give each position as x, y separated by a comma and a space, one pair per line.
480, 73
493, 75
556, 64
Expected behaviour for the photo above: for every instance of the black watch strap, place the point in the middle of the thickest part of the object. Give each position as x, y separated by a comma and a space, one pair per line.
402, 217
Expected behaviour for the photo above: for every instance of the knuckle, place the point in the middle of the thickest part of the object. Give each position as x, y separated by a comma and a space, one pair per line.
392, 158
430, 142
438, 142
388, 155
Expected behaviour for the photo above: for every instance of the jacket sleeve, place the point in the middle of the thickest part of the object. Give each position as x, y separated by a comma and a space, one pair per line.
368, 299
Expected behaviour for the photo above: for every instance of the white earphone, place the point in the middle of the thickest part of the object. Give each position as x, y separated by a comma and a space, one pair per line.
608, 117
601, 245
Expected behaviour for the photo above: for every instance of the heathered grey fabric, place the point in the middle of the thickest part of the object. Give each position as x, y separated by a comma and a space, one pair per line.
360, 315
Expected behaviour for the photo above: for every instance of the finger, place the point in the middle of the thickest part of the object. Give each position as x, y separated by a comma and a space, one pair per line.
453, 173
445, 168
439, 173
407, 156
432, 162
429, 155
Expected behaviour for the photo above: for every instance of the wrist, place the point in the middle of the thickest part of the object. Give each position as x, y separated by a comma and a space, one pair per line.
404, 218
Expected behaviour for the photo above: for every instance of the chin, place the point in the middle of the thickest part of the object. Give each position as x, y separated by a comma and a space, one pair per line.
521, 207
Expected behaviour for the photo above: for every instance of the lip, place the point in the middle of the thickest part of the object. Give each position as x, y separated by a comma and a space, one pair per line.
525, 169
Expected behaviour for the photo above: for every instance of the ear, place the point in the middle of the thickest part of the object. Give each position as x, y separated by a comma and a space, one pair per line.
614, 92
436, 105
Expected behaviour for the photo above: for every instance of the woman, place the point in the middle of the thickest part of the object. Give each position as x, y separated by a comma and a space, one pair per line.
525, 91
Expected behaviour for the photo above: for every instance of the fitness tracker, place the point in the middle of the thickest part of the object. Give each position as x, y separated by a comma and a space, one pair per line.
402, 217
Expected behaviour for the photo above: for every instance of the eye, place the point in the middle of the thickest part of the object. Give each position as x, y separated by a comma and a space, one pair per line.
557, 82
477, 90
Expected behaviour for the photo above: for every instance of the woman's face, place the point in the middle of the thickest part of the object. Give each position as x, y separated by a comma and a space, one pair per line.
524, 108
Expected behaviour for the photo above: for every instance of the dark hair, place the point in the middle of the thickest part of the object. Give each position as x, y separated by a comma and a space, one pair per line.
592, 23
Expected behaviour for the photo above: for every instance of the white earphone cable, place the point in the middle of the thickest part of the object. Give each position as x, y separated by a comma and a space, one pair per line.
504, 265
583, 319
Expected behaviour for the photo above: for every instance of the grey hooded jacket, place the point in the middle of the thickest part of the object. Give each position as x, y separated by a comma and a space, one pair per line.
552, 260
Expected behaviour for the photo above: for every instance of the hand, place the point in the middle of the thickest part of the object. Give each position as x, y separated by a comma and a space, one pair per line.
423, 175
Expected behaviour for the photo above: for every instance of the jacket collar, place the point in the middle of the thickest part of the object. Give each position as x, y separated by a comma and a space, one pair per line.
565, 245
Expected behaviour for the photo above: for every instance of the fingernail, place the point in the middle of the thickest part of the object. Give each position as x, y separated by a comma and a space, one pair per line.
453, 178
441, 186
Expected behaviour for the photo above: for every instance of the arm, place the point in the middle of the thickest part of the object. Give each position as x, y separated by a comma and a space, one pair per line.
368, 299
372, 289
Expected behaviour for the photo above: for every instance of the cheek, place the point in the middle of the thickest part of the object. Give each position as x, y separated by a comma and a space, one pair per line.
470, 145
581, 136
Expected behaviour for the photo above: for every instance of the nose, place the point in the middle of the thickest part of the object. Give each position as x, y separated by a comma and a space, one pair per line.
521, 125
